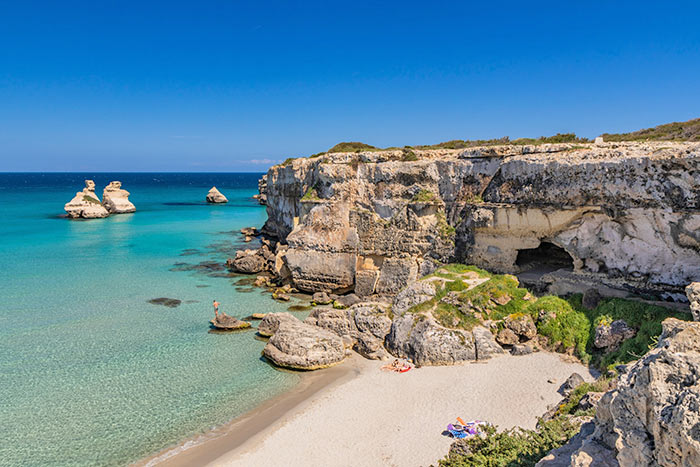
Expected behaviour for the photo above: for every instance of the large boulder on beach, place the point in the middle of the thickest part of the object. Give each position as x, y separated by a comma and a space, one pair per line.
86, 204
116, 200
301, 346
215, 196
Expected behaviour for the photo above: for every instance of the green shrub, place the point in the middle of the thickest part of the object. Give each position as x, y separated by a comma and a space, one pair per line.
515, 447
424, 196
676, 131
445, 230
568, 331
352, 146
310, 195
287, 161
409, 155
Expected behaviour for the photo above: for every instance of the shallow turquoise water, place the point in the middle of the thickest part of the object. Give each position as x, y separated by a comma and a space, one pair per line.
92, 374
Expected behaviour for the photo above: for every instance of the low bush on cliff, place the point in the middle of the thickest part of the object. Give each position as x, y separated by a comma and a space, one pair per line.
512, 448
676, 131
558, 138
352, 146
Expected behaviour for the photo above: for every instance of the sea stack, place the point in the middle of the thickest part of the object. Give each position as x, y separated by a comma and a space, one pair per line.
215, 196
116, 200
86, 204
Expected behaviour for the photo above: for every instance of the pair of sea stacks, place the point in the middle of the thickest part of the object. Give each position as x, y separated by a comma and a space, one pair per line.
215, 196
86, 204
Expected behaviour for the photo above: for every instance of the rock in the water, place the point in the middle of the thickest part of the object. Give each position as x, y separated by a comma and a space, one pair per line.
86, 204
215, 196
591, 298
169, 302
301, 346
269, 324
693, 293
571, 383
247, 262
116, 200
229, 323
610, 336
321, 298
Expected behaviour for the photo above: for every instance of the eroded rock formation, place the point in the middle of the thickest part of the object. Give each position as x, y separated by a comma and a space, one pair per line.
652, 417
624, 214
215, 196
86, 204
116, 200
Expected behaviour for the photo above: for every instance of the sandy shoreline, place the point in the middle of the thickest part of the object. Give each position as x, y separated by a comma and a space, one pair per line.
355, 414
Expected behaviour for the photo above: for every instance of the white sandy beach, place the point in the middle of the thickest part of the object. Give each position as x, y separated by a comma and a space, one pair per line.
382, 418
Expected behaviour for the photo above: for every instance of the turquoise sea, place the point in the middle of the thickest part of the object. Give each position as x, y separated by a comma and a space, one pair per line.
90, 372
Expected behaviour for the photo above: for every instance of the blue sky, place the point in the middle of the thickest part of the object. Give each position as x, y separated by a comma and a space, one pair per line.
237, 86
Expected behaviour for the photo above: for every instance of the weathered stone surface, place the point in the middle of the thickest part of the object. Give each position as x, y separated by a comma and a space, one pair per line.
370, 347
116, 200
228, 323
366, 282
571, 383
414, 294
652, 417
86, 204
507, 337
425, 342
269, 324
610, 336
693, 294
321, 298
370, 319
247, 262
521, 349
626, 213
301, 346
591, 298
522, 325
215, 196
485, 343
348, 300
590, 400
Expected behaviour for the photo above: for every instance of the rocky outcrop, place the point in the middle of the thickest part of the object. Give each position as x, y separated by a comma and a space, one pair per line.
622, 214
693, 293
301, 346
247, 262
215, 196
262, 191
86, 204
271, 322
652, 417
228, 323
610, 336
116, 200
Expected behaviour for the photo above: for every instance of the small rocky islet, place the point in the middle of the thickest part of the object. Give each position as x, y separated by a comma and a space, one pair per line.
87, 205
383, 241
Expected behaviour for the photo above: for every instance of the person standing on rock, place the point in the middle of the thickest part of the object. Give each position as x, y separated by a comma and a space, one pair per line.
216, 309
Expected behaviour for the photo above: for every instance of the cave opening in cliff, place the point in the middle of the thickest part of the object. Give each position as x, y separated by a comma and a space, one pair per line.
546, 257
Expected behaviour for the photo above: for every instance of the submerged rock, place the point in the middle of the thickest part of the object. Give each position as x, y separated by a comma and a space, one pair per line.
169, 302
215, 196
86, 204
301, 346
229, 323
116, 200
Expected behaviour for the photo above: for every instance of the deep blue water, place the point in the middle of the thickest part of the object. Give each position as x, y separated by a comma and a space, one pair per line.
91, 373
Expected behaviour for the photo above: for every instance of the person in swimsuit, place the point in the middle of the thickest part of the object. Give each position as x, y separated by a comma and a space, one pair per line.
216, 308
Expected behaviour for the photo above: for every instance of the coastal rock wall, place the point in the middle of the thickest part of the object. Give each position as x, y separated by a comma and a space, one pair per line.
625, 214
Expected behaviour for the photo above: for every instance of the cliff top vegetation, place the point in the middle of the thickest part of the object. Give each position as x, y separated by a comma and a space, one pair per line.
676, 131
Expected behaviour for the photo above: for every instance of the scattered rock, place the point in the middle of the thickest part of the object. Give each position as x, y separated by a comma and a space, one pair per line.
507, 337
348, 300
590, 400
591, 298
485, 343
281, 296
258, 315
215, 196
301, 346
571, 383
229, 323
693, 293
116, 200
321, 298
86, 204
247, 262
250, 231
521, 349
610, 337
169, 302
260, 281
522, 325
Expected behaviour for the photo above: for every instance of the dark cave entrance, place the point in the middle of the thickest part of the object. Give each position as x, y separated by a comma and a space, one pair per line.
545, 258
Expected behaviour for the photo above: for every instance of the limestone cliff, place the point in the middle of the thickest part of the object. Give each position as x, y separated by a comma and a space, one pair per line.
624, 214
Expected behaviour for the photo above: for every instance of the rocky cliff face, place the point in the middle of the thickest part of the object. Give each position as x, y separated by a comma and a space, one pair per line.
624, 214
652, 417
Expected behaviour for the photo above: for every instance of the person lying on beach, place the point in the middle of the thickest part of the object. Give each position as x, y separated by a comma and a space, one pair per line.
216, 309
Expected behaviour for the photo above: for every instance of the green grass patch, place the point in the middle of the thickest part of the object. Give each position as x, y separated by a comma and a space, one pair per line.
310, 195
424, 196
445, 230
